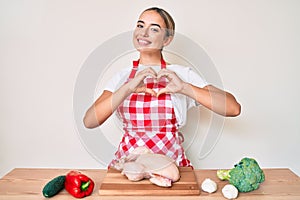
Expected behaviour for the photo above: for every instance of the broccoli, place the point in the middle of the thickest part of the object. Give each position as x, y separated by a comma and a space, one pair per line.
245, 176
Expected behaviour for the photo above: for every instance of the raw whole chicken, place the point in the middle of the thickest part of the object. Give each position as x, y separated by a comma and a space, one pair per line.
160, 169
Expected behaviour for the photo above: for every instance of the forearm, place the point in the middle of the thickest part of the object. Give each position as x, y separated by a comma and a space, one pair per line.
217, 100
104, 106
108, 102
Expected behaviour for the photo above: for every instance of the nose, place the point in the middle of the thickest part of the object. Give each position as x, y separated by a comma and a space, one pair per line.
145, 32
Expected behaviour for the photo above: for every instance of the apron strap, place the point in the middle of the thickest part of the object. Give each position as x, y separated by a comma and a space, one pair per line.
135, 64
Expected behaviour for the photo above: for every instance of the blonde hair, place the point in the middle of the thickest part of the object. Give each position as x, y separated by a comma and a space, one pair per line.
170, 24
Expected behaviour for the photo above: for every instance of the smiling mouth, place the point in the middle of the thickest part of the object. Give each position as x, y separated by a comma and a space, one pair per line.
143, 42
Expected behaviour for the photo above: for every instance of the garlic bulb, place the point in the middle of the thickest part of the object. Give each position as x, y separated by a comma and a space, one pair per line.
209, 186
230, 192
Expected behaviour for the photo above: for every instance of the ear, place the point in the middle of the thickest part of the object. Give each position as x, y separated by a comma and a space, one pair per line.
167, 40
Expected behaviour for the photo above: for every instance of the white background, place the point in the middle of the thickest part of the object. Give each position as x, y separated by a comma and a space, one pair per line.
43, 44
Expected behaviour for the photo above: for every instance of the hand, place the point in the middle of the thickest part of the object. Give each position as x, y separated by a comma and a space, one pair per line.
175, 84
137, 83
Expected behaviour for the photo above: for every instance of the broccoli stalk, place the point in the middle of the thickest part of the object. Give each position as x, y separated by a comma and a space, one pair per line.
223, 174
246, 176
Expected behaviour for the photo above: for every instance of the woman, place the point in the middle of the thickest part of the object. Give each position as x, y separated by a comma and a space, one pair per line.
154, 97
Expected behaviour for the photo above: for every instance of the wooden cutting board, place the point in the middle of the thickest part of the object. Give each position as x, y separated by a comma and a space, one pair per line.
115, 184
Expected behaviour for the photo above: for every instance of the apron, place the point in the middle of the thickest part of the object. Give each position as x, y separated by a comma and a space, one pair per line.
150, 121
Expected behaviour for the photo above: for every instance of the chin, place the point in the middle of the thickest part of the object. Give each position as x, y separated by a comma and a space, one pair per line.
147, 49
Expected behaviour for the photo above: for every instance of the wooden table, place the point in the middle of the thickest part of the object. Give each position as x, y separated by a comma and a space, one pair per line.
27, 184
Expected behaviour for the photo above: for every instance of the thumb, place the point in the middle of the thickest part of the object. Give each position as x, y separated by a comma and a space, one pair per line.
146, 91
150, 91
162, 91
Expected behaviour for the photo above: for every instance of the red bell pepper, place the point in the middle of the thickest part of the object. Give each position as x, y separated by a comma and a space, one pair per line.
78, 184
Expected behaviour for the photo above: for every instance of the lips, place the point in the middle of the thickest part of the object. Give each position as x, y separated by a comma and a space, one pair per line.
143, 42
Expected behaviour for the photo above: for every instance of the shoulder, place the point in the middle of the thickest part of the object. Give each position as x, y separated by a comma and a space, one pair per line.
188, 74
183, 71
179, 69
120, 74
118, 79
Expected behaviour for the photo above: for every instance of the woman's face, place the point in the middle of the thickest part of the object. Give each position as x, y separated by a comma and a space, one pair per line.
150, 32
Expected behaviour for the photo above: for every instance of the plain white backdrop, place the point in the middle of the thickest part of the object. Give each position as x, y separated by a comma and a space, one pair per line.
254, 44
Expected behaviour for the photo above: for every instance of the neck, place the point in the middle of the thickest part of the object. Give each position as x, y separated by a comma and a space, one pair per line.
147, 58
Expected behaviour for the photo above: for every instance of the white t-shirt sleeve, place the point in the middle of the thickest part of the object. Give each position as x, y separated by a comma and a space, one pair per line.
196, 80
117, 80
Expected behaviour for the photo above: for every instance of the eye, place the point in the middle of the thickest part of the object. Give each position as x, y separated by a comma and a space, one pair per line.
139, 26
154, 29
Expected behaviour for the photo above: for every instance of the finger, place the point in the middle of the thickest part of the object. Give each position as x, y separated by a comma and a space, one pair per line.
148, 72
146, 91
150, 91
152, 70
162, 91
164, 73
141, 76
140, 90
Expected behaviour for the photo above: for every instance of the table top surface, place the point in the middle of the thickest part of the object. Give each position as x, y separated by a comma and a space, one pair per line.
27, 183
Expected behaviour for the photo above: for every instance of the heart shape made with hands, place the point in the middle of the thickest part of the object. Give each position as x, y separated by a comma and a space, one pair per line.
168, 80
162, 86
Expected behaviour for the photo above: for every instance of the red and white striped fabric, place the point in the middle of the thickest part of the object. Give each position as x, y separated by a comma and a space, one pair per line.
150, 121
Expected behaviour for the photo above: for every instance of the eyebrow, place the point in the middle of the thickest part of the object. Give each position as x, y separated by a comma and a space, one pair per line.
140, 21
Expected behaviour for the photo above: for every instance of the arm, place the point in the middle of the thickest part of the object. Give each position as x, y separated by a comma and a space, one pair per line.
213, 98
108, 102
104, 106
